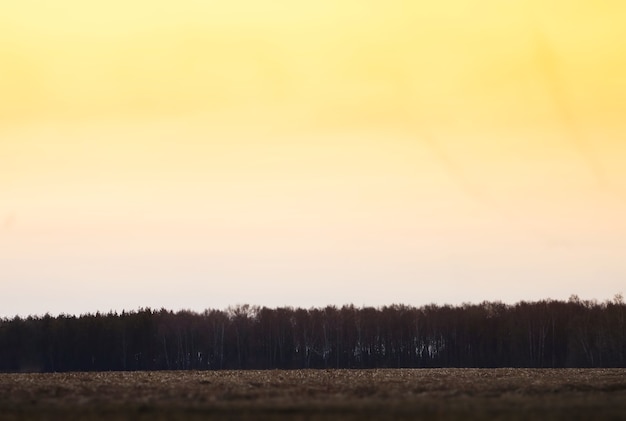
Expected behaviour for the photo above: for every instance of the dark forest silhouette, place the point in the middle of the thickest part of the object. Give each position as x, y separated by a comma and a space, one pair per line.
575, 333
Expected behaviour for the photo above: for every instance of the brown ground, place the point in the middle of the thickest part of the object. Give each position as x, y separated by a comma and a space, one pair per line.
438, 394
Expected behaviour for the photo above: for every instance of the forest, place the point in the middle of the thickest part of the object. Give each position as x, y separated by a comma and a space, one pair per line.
548, 333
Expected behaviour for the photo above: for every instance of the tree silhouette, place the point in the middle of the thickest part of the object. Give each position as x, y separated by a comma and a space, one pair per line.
545, 333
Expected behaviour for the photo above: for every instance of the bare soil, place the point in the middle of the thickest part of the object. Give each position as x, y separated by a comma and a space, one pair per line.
431, 394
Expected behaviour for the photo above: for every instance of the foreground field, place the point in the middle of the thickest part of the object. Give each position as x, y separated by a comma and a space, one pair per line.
437, 394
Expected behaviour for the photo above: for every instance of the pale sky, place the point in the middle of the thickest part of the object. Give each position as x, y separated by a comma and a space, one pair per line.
199, 154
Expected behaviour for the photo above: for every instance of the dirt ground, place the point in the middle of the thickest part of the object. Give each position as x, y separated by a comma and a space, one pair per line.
431, 394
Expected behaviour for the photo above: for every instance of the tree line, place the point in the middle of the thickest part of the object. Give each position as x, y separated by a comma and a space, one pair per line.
573, 333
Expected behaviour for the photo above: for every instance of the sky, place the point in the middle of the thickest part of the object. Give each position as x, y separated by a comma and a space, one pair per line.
200, 154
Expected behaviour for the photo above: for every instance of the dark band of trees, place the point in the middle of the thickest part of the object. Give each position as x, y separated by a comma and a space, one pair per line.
491, 334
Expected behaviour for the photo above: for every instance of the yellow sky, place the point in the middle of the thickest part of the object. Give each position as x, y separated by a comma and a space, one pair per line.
453, 151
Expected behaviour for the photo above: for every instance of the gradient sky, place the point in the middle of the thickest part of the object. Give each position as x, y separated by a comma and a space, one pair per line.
199, 154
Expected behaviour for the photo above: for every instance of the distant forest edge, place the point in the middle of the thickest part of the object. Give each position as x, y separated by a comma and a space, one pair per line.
548, 333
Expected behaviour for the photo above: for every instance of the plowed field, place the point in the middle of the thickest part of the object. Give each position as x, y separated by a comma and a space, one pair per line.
432, 394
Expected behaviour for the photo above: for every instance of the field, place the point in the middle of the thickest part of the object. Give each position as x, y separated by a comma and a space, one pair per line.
432, 394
